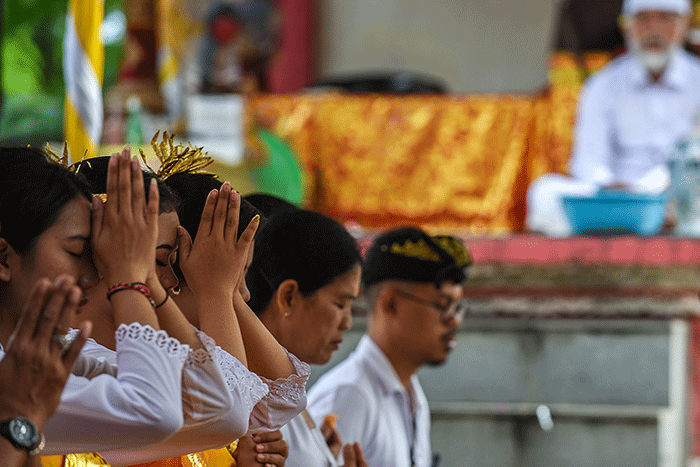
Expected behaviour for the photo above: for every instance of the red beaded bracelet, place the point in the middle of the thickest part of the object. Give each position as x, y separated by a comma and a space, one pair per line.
137, 286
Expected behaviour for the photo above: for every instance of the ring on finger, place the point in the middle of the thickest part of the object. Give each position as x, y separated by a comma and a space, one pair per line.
63, 340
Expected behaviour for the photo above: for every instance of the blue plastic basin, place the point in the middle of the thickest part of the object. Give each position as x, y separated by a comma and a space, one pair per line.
614, 212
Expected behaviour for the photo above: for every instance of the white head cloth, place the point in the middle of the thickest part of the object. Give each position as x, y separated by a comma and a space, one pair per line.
632, 7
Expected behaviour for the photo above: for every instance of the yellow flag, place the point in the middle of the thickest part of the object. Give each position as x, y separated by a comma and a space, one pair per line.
83, 70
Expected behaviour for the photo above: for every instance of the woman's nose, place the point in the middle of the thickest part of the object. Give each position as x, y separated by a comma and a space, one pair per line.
346, 323
89, 277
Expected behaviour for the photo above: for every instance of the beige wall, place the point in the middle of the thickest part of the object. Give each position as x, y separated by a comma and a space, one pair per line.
474, 45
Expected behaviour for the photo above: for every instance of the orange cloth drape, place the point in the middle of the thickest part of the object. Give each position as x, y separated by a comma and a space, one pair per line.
443, 162
446, 163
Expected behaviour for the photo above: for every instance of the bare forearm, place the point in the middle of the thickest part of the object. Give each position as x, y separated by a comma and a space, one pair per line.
11, 456
131, 306
265, 355
32, 461
172, 320
218, 320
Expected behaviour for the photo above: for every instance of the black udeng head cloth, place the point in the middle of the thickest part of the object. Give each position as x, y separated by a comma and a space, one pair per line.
409, 254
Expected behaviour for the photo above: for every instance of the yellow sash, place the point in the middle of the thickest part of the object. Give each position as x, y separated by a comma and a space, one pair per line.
213, 458
74, 460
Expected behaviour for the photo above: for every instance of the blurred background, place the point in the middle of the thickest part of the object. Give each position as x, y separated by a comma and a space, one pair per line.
578, 351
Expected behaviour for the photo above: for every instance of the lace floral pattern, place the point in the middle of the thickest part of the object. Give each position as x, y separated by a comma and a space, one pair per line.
160, 339
240, 379
204, 355
293, 387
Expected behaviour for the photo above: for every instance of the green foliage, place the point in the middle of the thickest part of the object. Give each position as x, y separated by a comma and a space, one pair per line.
31, 70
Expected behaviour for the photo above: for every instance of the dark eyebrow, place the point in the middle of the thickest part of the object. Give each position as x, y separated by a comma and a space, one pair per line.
347, 296
164, 246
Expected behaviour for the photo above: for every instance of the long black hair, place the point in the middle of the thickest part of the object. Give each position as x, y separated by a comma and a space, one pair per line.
302, 245
33, 192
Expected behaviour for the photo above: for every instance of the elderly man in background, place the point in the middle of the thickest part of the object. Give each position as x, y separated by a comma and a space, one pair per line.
630, 115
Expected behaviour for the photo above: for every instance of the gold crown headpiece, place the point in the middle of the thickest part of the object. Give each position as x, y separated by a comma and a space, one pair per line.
174, 159
177, 158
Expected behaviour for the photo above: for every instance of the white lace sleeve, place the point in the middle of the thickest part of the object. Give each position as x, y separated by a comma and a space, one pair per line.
205, 394
139, 407
286, 399
238, 376
243, 386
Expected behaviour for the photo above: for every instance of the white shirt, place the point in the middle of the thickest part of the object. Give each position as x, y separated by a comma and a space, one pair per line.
140, 406
258, 403
307, 447
627, 125
374, 409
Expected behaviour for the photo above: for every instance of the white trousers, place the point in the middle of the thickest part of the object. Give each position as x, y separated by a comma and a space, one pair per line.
545, 211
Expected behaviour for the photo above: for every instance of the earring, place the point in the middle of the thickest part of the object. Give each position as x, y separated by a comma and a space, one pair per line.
177, 289
287, 314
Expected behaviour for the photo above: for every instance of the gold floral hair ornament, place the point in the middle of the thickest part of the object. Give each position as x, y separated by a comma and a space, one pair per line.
418, 249
55, 158
63, 158
75, 168
177, 158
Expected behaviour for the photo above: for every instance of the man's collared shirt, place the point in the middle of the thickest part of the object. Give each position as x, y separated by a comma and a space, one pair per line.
627, 125
374, 409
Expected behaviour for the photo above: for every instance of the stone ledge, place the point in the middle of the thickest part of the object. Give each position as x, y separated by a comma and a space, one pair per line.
585, 308
579, 276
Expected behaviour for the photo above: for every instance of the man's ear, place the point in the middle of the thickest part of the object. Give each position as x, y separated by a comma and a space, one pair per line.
387, 299
5, 252
287, 296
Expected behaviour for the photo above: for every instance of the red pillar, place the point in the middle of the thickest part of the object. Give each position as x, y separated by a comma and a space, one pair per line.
292, 67
694, 389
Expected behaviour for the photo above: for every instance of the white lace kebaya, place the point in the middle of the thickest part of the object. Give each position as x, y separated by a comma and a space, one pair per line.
258, 404
139, 406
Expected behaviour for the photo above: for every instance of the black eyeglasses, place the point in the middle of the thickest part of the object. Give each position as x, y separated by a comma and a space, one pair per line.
455, 310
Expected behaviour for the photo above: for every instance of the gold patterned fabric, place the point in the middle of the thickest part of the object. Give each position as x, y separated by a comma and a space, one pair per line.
213, 458
293, 118
444, 163
441, 162
74, 460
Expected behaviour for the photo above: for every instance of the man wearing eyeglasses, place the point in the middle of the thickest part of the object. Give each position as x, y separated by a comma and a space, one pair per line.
413, 286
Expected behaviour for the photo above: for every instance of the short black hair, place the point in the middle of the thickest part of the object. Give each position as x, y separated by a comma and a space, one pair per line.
302, 245
33, 191
94, 170
193, 189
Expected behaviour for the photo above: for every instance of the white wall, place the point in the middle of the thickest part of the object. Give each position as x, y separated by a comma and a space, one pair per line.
474, 45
